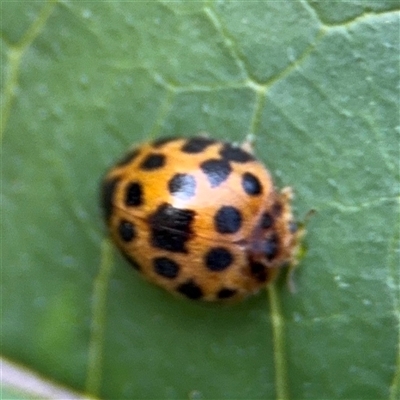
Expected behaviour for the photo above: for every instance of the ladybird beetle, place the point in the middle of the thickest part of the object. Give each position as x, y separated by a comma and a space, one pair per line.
199, 217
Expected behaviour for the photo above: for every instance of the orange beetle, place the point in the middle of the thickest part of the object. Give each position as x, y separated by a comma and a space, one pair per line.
199, 217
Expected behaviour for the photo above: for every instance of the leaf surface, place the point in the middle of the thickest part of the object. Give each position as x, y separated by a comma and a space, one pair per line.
314, 82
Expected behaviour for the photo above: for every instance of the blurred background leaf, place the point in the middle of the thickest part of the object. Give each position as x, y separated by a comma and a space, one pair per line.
315, 82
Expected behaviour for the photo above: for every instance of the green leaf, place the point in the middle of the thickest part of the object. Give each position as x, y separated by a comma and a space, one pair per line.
315, 83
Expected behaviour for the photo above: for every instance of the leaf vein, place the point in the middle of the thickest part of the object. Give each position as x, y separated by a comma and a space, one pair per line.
15, 55
228, 40
99, 302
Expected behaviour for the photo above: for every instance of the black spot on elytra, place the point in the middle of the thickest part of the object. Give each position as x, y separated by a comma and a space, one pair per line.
190, 289
126, 230
228, 219
171, 228
162, 141
197, 145
182, 186
218, 259
128, 157
216, 171
236, 154
259, 271
108, 188
277, 209
166, 267
251, 184
134, 194
266, 221
153, 161
271, 247
226, 293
